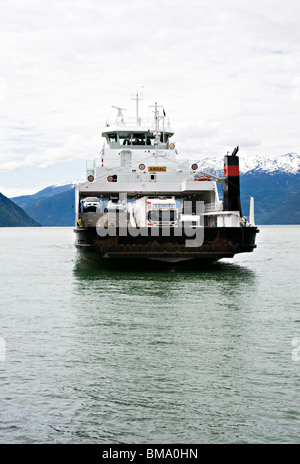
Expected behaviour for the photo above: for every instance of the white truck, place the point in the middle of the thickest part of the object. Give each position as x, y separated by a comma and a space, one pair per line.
155, 212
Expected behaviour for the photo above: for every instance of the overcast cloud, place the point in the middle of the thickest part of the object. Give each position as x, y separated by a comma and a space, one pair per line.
227, 73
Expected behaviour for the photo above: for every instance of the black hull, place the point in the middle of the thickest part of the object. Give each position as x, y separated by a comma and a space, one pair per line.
218, 243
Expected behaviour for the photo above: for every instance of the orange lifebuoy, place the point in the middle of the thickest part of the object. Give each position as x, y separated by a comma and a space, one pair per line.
172, 145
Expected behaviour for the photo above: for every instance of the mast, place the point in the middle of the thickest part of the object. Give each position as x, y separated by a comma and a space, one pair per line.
156, 133
137, 99
163, 118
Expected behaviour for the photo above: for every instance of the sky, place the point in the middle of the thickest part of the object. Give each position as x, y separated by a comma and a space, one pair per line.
227, 73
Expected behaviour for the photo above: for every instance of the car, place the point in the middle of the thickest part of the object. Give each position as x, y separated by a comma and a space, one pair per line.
91, 205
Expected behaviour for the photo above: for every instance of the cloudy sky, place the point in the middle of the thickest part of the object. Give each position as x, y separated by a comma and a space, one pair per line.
226, 71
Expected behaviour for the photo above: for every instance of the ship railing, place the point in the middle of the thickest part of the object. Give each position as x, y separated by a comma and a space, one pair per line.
90, 171
130, 121
213, 207
92, 165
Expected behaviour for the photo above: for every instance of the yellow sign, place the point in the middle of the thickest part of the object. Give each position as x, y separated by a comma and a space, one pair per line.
157, 168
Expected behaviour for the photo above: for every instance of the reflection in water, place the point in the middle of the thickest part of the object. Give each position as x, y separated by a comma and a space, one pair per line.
219, 280
214, 283
90, 270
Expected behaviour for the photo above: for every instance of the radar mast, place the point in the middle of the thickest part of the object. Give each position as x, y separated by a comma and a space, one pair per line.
120, 114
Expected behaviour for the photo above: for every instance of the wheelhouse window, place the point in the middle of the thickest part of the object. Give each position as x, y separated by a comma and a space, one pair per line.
164, 137
112, 137
124, 138
150, 139
138, 139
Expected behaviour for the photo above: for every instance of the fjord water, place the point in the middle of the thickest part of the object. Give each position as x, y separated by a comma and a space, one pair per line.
96, 355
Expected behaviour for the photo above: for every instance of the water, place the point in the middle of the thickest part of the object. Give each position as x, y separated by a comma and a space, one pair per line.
91, 355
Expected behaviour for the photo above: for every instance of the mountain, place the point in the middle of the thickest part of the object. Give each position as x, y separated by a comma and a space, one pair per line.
271, 181
57, 210
11, 215
287, 213
52, 206
26, 201
270, 191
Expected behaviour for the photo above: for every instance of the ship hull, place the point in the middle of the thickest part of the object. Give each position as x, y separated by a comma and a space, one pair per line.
217, 243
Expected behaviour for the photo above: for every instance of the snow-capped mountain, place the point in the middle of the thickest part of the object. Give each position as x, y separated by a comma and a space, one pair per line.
288, 164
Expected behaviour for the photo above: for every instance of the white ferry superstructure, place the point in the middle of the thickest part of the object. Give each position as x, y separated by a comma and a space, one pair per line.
142, 201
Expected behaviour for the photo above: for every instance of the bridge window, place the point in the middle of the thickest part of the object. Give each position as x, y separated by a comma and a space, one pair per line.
112, 137
149, 139
138, 139
125, 138
164, 137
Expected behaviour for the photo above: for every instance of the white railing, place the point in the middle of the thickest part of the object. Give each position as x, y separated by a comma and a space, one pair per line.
147, 122
213, 207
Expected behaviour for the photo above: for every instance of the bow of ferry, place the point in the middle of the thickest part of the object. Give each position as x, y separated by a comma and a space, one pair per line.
143, 201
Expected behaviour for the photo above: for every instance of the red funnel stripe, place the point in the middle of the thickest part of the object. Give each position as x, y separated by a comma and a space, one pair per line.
231, 171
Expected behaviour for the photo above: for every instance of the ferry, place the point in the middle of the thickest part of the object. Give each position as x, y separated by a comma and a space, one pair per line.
141, 200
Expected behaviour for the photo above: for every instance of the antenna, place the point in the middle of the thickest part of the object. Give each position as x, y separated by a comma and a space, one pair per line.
120, 114
137, 99
156, 133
